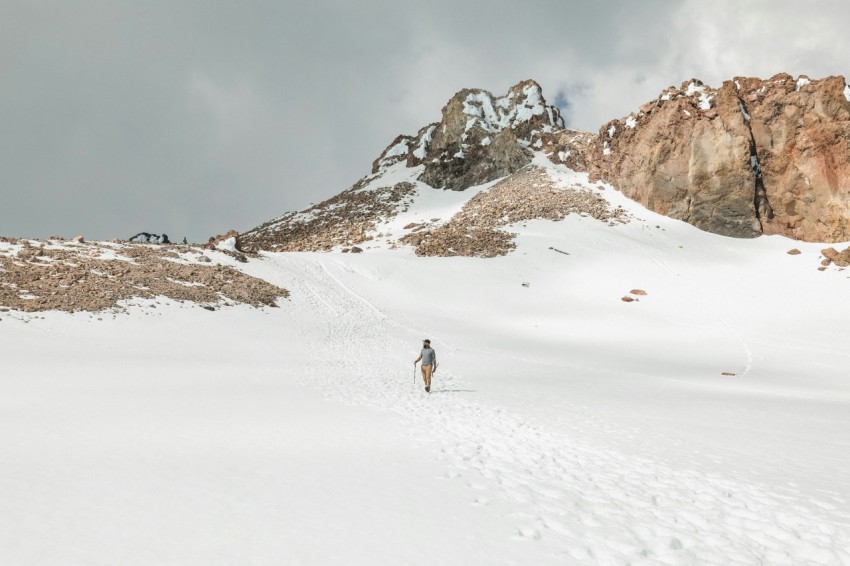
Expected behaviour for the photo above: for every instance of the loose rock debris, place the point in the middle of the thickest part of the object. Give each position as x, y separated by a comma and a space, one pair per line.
348, 219
51, 275
527, 195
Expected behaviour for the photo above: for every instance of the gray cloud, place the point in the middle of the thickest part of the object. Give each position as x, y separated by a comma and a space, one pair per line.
194, 117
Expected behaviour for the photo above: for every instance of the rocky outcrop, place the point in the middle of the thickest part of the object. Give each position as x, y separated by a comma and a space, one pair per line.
752, 157
228, 243
801, 131
347, 219
480, 137
566, 147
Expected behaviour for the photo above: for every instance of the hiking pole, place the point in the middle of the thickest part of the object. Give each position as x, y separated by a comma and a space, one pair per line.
414, 373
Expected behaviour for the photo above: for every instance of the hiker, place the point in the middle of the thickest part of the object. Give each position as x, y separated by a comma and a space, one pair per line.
429, 363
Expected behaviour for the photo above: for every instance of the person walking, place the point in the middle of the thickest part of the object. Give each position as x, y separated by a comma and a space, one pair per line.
429, 363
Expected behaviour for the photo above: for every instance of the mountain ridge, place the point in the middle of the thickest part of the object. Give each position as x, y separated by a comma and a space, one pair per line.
692, 154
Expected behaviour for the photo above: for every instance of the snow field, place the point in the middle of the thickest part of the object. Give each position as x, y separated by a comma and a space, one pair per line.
564, 427
589, 503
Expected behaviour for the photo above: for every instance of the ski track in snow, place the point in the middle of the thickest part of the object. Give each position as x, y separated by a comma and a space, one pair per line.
589, 505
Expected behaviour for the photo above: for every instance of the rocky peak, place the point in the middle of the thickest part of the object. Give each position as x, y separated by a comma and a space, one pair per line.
480, 137
751, 157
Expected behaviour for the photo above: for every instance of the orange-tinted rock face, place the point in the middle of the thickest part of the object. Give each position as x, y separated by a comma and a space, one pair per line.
802, 132
754, 156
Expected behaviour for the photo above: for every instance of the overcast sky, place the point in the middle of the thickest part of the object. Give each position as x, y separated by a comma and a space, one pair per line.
194, 117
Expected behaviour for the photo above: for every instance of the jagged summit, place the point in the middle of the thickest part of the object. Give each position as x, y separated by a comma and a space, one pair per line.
480, 137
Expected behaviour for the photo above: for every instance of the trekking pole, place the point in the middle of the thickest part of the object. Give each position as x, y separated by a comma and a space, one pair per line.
414, 373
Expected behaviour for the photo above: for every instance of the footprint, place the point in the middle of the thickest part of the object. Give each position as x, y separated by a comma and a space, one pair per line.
527, 533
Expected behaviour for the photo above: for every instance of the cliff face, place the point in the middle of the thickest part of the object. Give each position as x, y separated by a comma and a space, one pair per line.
801, 130
752, 157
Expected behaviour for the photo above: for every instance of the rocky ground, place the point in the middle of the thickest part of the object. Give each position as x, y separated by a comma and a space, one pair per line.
345, 220
96, 276
478, 229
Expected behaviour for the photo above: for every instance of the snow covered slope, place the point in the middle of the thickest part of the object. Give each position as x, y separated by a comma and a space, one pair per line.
703, 423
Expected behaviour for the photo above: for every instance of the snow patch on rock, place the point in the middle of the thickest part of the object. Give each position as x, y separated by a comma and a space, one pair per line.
228, 245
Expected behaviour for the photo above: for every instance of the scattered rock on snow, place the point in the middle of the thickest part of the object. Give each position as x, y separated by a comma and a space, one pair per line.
94, 276
347, 219
831, 255
476, 231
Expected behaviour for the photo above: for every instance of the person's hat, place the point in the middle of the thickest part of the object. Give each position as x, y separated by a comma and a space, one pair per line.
426, 341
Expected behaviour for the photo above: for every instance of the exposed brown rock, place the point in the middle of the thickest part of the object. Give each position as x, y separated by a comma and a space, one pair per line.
527, 195
639, 292
794, 251
566, 147
754, 156
96, 276
833, 256
628, 299
347, 219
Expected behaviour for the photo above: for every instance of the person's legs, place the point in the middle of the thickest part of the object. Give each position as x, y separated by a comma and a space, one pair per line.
426, 376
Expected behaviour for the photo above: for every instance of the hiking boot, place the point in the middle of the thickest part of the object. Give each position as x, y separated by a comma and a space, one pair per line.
427, 389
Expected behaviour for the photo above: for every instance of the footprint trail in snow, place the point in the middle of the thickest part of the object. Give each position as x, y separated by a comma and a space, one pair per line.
587, 504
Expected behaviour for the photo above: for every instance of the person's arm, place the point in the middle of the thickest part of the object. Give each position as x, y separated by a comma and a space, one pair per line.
417, 359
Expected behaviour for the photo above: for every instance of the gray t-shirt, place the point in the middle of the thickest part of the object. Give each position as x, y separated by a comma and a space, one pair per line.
428, 356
